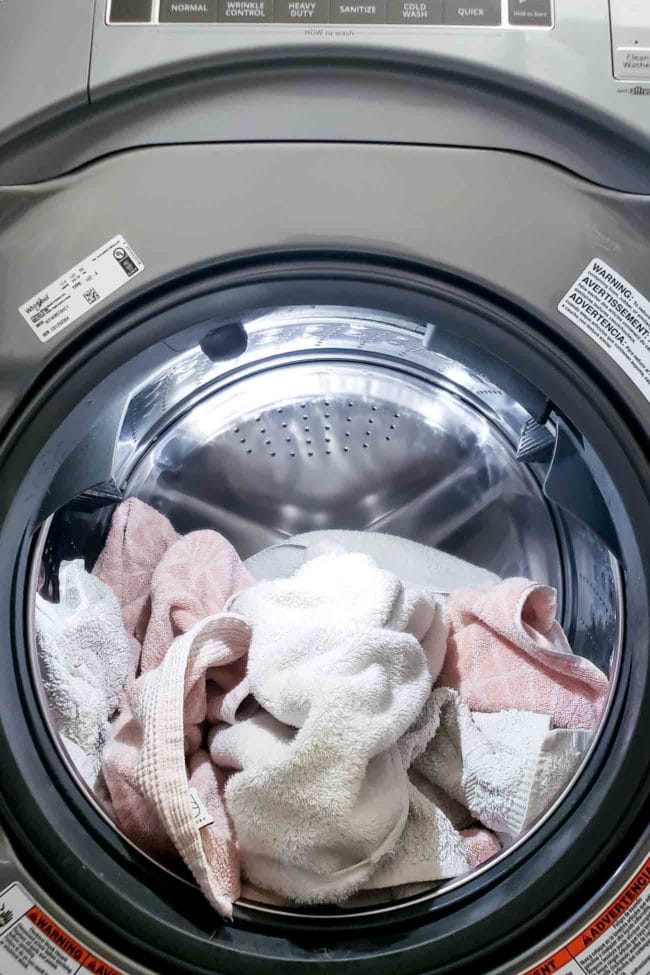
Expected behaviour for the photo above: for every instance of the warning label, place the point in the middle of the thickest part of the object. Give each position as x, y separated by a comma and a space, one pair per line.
73, 294
617, 316
31, 943
616, 942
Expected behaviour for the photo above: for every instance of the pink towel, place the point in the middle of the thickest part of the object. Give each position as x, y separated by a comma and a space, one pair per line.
195, 577
138, 538
154, 760
480, 845
505, 650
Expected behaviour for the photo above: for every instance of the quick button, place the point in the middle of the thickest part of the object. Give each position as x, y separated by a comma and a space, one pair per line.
484, 14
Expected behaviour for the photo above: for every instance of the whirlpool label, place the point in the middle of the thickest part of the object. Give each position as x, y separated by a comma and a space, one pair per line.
80, 289
615, 315
31, 943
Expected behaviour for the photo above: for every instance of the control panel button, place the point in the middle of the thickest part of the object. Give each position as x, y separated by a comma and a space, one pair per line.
187, 11
631, 63
415, 12
130, 12
302, 11
530, 13
483, 14
245, 11
355, 12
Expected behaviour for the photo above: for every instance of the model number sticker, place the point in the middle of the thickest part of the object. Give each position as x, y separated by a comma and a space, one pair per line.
616, 316
80, 289
31, 943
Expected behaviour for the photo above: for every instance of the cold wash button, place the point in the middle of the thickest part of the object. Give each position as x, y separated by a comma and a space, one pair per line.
485, 14
414, 11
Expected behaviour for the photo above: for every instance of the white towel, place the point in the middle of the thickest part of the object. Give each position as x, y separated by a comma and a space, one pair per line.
418, 565
335, 653
505, 768
84, 655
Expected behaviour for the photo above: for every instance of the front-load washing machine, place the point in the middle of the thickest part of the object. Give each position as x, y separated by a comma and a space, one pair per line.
275, 266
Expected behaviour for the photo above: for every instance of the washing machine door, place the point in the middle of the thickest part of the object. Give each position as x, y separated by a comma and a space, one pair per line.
273, 339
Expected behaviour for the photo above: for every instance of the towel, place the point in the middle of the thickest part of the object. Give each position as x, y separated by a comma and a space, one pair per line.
504, 768
335, 654
420, 566
84, 655
189, 801
505, 649
138, 538
193, 580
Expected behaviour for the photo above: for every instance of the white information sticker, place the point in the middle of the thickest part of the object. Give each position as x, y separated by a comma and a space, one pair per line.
616, 316
615, 942
80, 289
31, 943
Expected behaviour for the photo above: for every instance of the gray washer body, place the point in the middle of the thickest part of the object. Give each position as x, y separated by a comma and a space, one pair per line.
508, 158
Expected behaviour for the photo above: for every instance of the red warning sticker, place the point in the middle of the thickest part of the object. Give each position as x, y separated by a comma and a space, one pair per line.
32, 943
615, 942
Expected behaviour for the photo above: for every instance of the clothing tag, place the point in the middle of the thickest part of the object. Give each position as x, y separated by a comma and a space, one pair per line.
199, 811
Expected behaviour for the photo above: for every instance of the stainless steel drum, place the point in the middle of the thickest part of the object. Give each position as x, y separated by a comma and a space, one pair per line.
342, 418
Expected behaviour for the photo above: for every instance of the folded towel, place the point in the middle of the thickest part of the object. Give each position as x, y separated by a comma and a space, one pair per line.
138, 538
505, 649
192, 814
330, 656
84, 655
418, 565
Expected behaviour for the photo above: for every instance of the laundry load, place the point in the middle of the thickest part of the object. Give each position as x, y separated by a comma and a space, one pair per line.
343, 718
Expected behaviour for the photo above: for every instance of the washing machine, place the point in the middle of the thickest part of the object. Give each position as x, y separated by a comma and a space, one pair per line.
275, 266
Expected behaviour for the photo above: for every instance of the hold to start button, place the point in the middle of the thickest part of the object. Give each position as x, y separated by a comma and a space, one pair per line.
485, 14
530, 13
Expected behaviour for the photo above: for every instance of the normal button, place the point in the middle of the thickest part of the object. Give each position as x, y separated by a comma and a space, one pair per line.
485, 14
364, 12
187, 11
414, 11
530, 13
245, 11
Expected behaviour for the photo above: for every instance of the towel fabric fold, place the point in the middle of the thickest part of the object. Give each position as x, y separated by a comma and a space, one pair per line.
505, 647
84, 655
138, 538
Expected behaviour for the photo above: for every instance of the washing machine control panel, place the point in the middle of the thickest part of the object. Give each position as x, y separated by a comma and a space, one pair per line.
511, 14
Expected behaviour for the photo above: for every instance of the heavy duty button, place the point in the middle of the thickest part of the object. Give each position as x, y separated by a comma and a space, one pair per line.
414, 11
130, 12
530, 13
187, 11
487, 13
302, 11
358, 11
